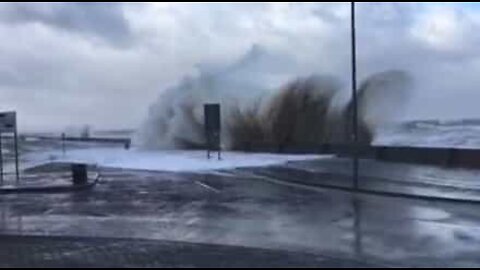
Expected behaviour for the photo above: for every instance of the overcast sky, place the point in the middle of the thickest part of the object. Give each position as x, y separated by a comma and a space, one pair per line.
104, 63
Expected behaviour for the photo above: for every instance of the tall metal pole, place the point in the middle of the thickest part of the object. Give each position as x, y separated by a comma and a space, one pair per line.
63, 143
1, 160
16, 155
354, 98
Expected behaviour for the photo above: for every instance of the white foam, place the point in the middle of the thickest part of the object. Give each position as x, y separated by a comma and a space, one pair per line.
166, 160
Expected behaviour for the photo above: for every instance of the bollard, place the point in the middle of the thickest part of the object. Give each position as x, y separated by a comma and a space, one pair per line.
79, 174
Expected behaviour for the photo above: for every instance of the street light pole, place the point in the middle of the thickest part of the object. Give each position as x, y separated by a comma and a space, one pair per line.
354, 98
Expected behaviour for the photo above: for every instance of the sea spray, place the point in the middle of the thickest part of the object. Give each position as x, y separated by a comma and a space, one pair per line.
256, 112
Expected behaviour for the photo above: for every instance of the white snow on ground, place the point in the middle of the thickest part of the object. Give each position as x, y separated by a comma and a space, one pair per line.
166, 160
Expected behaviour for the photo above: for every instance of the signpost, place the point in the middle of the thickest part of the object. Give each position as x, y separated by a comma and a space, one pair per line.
212, 128
8, 124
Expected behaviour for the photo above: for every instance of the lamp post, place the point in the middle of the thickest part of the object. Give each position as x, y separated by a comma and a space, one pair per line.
354, 98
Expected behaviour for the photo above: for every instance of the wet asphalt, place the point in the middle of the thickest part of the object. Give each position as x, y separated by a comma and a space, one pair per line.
244, 208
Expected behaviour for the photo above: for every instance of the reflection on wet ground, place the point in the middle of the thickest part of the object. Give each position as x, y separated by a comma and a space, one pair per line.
238, 208
384, 176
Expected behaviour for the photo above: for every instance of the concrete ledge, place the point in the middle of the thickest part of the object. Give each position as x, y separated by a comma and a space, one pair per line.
448, 157
50, 189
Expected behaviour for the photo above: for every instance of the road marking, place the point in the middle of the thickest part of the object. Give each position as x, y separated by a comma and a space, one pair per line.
208, 187
286, 183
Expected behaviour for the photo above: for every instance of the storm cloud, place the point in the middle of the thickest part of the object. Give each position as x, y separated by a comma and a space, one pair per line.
104, 21
103, 64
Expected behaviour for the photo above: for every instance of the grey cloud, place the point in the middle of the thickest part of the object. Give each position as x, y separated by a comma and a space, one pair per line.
101, 20
52, 69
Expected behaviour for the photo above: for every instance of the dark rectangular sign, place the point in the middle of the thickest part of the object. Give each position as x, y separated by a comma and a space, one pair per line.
8, 121
212, 117
212, 125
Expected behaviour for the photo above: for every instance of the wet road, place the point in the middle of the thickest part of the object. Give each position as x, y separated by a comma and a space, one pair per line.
238, 207
83, 252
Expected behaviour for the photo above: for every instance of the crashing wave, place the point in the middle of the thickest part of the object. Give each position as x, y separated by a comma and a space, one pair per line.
256, 112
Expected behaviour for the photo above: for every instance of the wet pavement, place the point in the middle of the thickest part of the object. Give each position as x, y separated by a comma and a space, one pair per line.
401, 178
63, 252
240, 208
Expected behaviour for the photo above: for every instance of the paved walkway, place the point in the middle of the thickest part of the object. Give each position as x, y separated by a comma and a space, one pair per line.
25, 251
236, 208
